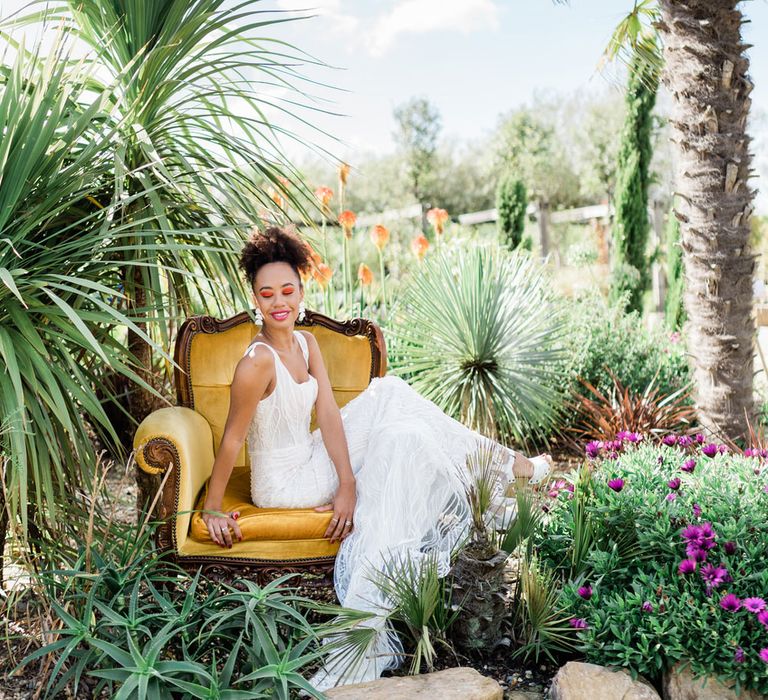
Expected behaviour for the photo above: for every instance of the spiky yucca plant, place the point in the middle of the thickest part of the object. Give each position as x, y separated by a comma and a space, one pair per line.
477, 332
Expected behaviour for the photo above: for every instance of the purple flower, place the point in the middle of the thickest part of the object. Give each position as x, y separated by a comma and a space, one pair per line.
671, 496
730, 547
593, 449
749, 452
722, 449
585, 592
754, 605
713, 576
579, 623
738, 655
692, 533
616, 484
699, 438
762, 618
764, 655
696, 510
689, 465
693, 552
647, 607
569, 487
730, 602
685, 441
765, 488
674, 337
687, 566
709, 449
674, 484
669, 440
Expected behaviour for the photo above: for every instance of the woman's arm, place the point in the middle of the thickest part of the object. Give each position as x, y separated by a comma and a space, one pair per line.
332, 431
252, 377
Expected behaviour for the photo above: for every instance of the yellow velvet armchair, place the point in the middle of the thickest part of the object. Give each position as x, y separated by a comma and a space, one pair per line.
176, 446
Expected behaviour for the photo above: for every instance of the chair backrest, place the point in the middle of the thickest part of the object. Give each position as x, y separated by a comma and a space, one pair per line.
208, 350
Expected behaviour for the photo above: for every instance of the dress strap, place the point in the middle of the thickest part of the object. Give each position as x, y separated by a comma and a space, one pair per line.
303, 344
258, 342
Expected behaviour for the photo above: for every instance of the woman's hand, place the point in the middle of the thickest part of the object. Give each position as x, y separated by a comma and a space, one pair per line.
219, 524
343, 508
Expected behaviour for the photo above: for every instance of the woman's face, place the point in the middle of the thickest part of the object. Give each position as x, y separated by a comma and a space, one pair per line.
277, 292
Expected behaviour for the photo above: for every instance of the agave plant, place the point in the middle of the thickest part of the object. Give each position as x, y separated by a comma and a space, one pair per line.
195, 155
477, 332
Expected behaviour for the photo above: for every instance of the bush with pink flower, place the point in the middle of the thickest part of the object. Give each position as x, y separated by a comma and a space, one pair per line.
670, 538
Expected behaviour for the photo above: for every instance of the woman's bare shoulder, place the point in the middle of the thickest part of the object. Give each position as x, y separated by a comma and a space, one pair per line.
258, 358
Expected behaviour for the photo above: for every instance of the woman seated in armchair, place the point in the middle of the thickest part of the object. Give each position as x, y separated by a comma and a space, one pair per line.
390, 464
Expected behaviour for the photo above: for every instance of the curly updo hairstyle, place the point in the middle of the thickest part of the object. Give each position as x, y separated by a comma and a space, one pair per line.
274, 245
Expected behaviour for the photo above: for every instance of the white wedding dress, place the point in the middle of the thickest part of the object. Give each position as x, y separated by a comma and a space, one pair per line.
409, 460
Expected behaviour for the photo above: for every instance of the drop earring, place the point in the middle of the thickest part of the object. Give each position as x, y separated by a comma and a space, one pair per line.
302, 312
258, 316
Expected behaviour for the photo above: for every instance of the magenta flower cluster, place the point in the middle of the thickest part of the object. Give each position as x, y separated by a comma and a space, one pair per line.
700, 540
560, 486
610, 448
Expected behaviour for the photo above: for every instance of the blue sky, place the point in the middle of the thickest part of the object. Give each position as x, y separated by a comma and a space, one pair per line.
474, 59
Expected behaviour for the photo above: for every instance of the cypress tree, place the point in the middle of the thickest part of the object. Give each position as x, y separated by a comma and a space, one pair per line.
511, 203
630, 266
674, 311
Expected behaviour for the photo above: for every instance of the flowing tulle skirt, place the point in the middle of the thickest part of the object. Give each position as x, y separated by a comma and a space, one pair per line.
409, 461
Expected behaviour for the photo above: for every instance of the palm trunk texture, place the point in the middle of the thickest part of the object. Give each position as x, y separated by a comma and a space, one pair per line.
706, 73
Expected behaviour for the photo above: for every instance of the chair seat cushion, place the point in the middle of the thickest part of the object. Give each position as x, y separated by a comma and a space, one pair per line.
262, 524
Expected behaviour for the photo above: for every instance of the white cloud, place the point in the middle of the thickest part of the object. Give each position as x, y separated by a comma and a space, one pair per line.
339, 22
424, 16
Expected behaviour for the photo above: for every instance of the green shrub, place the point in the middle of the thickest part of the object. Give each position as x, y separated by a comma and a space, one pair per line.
511, 203
641, 612
602, 335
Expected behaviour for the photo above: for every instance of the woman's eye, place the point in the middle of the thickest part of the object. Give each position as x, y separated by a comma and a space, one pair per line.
287, 290
267, 295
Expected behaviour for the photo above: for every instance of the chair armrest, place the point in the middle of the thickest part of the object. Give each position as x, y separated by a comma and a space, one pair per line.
182, 439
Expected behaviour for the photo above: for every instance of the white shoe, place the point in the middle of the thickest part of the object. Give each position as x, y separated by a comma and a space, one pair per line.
542, 466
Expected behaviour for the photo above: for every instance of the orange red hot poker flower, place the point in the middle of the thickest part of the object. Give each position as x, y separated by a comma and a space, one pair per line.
437, 219
379, 236
364, 274
324, 195
419, 246
347, 221
322, 274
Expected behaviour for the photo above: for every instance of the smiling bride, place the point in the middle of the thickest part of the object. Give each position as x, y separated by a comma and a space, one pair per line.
390, 464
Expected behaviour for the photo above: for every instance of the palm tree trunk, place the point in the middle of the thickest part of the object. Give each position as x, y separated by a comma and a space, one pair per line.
142, 402
706, 72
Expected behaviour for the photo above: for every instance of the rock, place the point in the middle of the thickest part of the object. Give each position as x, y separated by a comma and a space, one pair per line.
679, 684
451, 684
524, 695
580, 681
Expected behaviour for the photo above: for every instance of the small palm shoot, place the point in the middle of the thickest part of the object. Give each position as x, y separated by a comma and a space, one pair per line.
478, 589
